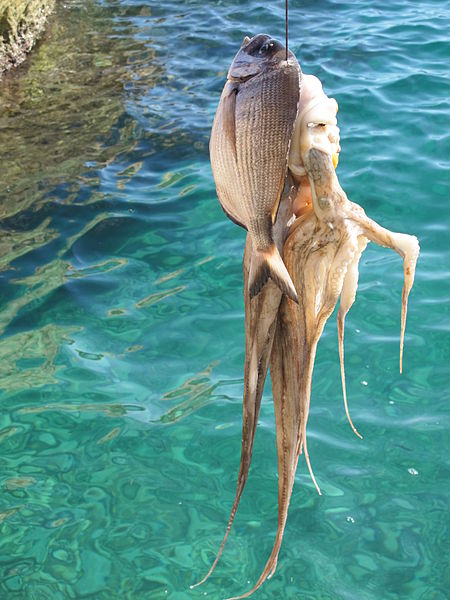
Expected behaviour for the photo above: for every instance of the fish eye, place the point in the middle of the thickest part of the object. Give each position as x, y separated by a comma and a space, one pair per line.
267, 47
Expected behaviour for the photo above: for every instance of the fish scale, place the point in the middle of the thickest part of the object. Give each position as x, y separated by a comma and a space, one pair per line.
262, 139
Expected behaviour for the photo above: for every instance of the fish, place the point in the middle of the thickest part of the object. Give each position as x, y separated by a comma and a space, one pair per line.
249, 148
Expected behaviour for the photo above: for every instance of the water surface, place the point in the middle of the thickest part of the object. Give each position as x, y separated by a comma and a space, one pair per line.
121, 314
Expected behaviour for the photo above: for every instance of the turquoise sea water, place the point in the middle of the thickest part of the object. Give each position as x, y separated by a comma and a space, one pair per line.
121, 314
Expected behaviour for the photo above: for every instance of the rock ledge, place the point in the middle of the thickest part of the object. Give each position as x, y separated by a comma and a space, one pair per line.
21, 23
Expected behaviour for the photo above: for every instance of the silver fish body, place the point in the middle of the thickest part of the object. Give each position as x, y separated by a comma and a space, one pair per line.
249, 147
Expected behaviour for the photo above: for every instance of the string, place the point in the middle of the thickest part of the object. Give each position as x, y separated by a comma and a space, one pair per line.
286, 30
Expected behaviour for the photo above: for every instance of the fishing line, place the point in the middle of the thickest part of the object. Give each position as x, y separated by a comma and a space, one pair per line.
286, 30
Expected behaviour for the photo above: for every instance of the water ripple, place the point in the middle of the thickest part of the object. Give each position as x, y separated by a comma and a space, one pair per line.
121, 313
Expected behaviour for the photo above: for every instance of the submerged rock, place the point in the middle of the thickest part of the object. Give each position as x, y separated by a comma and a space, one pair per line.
21, 23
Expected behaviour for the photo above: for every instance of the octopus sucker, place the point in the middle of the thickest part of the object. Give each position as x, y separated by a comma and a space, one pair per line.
320, 236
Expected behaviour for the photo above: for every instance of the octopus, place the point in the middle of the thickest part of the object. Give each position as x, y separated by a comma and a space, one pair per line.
321, 236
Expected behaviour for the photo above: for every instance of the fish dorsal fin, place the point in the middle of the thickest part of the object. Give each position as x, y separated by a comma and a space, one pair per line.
229, 116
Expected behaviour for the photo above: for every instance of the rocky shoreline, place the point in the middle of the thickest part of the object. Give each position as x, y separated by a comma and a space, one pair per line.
21, 24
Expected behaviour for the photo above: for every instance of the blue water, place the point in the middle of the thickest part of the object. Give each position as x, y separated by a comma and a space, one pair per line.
121, 314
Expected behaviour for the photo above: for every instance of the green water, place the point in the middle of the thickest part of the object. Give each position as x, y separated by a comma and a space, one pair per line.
121, 314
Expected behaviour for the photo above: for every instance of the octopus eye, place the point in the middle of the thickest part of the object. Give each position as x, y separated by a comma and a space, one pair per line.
321, 125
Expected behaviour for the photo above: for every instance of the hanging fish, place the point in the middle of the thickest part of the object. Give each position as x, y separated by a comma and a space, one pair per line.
249, 148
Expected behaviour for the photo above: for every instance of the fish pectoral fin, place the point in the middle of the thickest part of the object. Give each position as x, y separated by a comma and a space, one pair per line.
268, 263
233, 217
229, 116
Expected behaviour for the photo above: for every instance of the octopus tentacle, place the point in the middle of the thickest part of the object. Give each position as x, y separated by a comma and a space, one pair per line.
299, 328
331, 205
260, 324
308, 464
261, 315
348, 296
289, 417
407, 246
288, 426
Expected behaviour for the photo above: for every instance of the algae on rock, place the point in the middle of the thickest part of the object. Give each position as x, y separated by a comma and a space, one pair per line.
21, 23
66, 116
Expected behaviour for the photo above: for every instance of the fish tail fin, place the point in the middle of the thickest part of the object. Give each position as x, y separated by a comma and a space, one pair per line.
268, 263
